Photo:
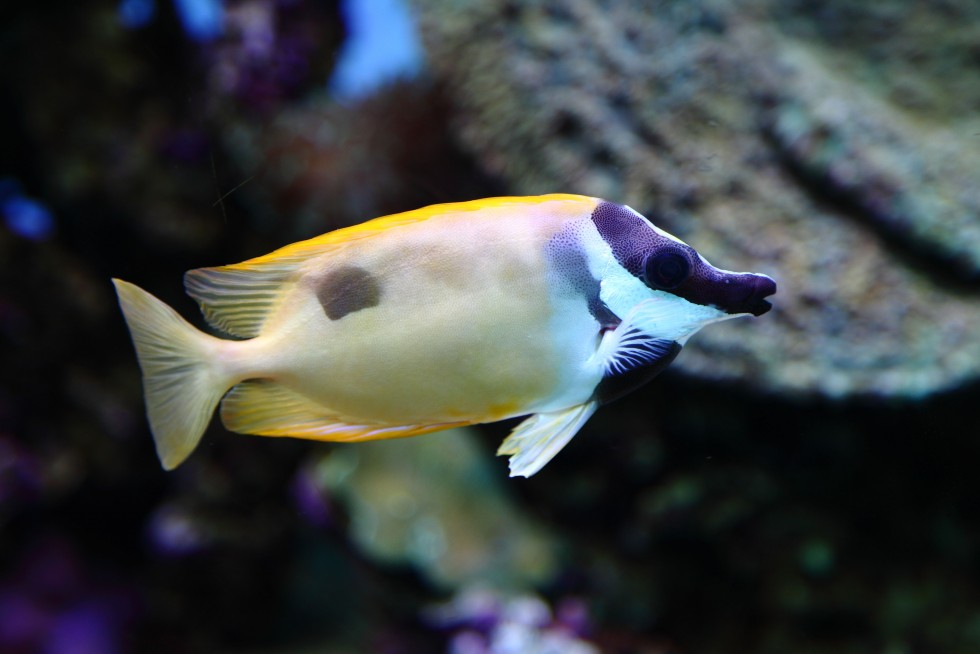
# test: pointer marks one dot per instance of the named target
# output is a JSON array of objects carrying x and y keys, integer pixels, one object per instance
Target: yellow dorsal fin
[
  {"x": 266, "y": 408},
  {"x": 305, "y": 249},
  {"x": 237, "y": 298}
]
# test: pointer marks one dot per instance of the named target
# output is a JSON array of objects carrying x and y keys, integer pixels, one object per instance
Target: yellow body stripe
[{"x": 384, "y": 223}]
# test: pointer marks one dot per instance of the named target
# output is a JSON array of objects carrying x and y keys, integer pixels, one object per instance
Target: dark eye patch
[
  {"x": 629, "y": 237},
  {"x": 656, "y": 260},
  {"x": 666, "y": 268},
  {"x": 347, "y": 290}
]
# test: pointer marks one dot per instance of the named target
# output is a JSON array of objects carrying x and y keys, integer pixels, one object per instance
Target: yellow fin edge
[
  {"x": 378, "y": 225},
  {"x": 344, "y": 433},
  {"x": 266, "y": 408}
]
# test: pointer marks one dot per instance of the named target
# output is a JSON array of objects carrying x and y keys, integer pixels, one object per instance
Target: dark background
[{"x": 695, "y": 515}]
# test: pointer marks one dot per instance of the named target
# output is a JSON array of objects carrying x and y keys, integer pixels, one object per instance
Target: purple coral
[
  {"x": 50, "y": 604},
  {"x": 483, "y": 621}
]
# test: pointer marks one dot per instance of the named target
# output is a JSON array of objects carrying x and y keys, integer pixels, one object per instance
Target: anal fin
[
  {"x": 267, "y": 408},
  {"x": 540, "y": 437}
]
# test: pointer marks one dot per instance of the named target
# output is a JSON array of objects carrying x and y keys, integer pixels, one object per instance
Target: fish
[{"x": 543, "y": 307}]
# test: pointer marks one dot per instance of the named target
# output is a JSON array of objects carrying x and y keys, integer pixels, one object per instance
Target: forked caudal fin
[{"x": 181, "y": 381}]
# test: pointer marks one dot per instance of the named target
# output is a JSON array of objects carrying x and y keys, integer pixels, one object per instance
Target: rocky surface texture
[{"x": 835, "y": 148}]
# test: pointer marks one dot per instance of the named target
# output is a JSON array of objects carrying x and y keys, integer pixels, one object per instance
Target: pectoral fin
[
  {"x": 630, "y": 357},
  {"x": 539, "y": 438}
]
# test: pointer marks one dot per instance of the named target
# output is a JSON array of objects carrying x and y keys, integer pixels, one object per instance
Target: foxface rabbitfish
[{"x": 449, "y": 315}]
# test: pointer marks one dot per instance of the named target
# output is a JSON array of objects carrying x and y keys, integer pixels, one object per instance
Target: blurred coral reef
[
  {"x": 830, "y": 145},
  {"x": 799, "y": 483}
]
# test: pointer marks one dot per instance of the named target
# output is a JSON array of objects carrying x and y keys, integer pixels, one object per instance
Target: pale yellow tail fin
[{"x": 181, "y": 383}]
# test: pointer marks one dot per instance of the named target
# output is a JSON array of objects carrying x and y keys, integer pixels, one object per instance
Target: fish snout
[
  {"x": 739, "y": 293},
  {"x": 757, "y": 288}
]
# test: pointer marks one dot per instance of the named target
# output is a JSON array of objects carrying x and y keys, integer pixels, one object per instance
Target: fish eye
[{"x": 666, "y": 269}]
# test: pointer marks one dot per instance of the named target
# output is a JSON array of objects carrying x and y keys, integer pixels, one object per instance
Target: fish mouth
[
  {"x": 755, "y": 302},
  {"x": 762, "y": 307}
]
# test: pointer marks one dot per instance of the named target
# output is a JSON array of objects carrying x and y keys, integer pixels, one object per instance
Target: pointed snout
[
  {"x": 736, "y": 293},
  {"x": 758, "y": 288}
]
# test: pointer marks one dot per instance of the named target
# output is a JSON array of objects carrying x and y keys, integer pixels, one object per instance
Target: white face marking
[
  {"x": 664, "y": 314},
  {"x": 671, "y": 317}
]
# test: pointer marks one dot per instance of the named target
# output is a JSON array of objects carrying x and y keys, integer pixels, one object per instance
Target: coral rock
[{"x": 833, "y": 154}]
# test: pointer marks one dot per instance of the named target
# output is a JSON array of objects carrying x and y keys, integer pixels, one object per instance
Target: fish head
[
  {"x": 676, "y": 268},
  {"x": 679, "y": 289}
]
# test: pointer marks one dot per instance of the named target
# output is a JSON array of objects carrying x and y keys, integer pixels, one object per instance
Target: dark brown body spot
[{"x": 347, "y": 290}]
